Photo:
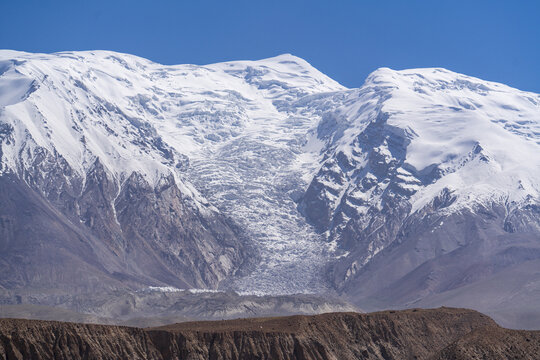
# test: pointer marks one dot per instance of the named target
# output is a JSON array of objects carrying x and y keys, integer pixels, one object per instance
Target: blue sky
[{"x": 494, "y": 40}]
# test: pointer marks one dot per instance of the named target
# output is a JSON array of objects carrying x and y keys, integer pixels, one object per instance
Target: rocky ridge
[{"x": 422, "y": 334}]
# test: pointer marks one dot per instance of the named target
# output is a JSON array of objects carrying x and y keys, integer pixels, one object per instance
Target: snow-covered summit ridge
[
  {"x": 443, "y": 120},
  {"x": 144, "y": 102}
]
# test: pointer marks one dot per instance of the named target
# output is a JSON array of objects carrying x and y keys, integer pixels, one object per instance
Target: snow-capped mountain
[
  {"x": 429, "y": 184},
  {"x": 146, "y": 127},
  {"x": 265, "y": 177},
  {"x": 410, "y": 140}
]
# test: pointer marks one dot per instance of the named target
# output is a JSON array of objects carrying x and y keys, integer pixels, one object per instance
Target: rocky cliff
[{"x": 419, "y": 334}]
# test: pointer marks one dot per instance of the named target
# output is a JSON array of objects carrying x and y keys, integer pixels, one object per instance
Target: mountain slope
[
  {"x": 105, "y": 174},
  {"x": 429, "y": 182}
]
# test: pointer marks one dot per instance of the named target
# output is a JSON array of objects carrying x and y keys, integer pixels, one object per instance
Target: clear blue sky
[{"x": 494, "y": 40}]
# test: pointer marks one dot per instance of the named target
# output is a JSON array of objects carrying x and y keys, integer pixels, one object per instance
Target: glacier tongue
[
  {"x": 256, "y": 173},
  {"x": 253, "y": 178}
]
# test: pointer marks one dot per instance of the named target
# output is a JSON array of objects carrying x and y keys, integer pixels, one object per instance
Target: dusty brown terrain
[
  {"x": 494, "y": 342},
  {"x": 36, "y": 339},
  {"x": 442, "y": 333}
]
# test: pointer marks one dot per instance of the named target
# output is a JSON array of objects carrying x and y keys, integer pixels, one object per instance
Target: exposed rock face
[
  {"x": 60, "y": 232},
  {"x": 387, "y": 335},
  {"x": 361, "y": 199},
  {"x": 42, "y": 248},
  {"x": 420, "y": 334},
  {"x": 198, "y": 249},
  {"x": 26, "y": 339}
]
